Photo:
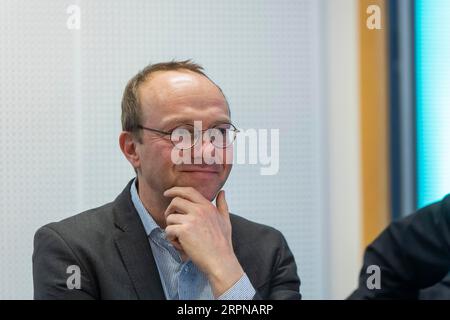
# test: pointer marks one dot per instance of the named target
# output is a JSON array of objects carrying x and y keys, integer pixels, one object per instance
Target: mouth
[{"x": 200, "y": 168}]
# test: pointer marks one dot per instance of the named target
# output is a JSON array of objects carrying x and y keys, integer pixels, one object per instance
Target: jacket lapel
[{"x": 134, "y": 247}]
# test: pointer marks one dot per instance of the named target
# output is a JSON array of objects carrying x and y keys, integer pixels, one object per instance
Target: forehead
[{"x": 171, "y": 95}]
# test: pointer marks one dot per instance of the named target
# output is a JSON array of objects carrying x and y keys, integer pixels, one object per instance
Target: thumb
[{"x": 221, "y": 203}]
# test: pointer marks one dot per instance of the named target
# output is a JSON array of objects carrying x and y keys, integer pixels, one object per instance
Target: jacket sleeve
[
  {"x": 284, "y": 282},
  {"x": 57, "y": 272},
  {"x": 412, "y": 253}
]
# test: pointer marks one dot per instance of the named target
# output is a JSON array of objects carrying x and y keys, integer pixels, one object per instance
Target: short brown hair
[{"x": 131, "y": 110}]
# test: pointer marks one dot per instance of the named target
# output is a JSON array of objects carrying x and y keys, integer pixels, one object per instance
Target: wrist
[{"x": 225, "y": 275}]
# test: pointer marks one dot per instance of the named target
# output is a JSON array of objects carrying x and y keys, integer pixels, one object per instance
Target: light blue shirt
[{"x": 182, "y": 280}]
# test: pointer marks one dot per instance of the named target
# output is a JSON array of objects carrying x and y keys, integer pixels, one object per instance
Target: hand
[{"x": 203, "y": 232}]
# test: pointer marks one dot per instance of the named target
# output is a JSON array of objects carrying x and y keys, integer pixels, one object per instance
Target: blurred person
[{"x": 413, "y": 257}]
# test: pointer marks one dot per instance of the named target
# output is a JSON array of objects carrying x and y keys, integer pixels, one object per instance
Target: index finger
[{"x": 187, "y": 193}]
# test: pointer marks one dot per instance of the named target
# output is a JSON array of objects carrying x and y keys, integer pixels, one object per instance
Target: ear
[{"x": 128, "y": 146}]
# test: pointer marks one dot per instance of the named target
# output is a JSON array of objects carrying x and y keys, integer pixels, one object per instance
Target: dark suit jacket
[
  {"x": 413, "y": 253},
  {"x": 111, "y": 248}
]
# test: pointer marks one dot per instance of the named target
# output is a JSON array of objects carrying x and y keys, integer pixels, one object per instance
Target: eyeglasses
[{"x": 186, "y": 136}]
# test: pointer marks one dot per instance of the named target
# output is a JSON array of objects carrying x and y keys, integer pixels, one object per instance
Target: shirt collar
[{"x": 146, "y": 218}]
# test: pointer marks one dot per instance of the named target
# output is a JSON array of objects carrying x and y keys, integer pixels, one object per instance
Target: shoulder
[
  {"x": 434, "y": 215},
  {"x": 90, "y": 226},
  {"x": 248, "y": 231}
]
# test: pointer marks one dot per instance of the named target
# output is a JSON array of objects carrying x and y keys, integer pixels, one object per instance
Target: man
[
  {"x": 162, "y": 237},
  {"x": 412, "y": 254}
]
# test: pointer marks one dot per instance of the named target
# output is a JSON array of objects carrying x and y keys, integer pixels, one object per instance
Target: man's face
[{"x": 170, "y": 99}]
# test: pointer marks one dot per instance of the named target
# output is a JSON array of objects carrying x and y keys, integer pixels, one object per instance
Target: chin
[
  {"x": 208, "y": 191},
  {"x": 210, "y": 195}
]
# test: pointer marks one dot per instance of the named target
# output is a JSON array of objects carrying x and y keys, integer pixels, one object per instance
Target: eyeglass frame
[{"x": 169, "y": 133}]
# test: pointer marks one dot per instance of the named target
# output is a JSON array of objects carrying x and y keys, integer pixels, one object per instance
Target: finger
[
  {"x": 187, "y": 193},
  {"x": 221, "y": 204},
  {"x": 172, "y": 235},
  {"x": 179, "y": 205},
  {"x": 173, "y": 232},
  {"x": 177, "y": 245},
  {"x": 174, "y": 241},
  {"x": 176, "y": 218}
]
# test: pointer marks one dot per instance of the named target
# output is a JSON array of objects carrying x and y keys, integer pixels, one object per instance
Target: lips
[{"x": 200, "y": 168}]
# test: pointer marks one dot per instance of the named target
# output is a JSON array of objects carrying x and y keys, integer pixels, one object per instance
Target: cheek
[
  {"x": 227, "y": 155},
  {"x": 164, "y": 157},
  {"x": 157, "y": 159}
]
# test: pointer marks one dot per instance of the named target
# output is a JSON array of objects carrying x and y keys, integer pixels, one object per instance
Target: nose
[{"x": 204, "y": 151}]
